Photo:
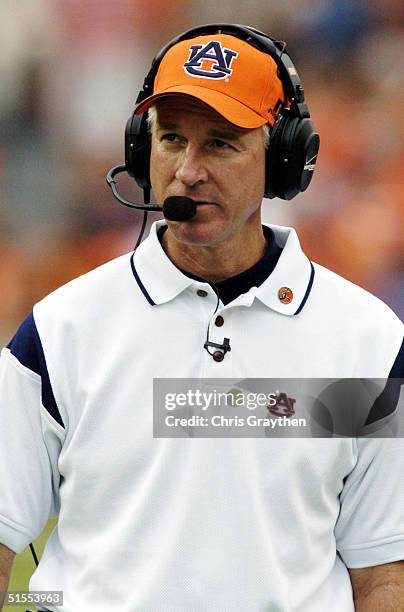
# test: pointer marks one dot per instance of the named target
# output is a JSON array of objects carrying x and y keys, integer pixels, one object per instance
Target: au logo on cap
[{"x": 220, "y": 60}]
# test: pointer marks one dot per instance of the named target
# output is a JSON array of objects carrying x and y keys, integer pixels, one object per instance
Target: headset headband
[{"x": 276, "y": 49}]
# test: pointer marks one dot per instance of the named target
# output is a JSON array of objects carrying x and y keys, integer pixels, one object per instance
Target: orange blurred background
[{"x": 70, "y": 72}]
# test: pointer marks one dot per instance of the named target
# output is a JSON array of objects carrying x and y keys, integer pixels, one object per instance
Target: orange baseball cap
[{"x": 237, "y": 80}]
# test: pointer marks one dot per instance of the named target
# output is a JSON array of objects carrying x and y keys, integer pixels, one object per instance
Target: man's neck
[{"x": 215, "y": 263}]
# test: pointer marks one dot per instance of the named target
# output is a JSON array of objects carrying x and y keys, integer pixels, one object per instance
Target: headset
[{"x": 292, "y": 153}]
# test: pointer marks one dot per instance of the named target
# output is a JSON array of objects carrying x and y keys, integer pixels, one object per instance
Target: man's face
[{"x": 198, "y": 154}]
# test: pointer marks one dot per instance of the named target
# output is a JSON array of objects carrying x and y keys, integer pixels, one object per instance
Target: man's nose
[{"x": 191, "y": 168}]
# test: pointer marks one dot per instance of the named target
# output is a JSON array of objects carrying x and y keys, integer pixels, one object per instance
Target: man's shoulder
[
  {"x": 98, "y": 284},
  {"x": 368, "y": 329},
  {"x": 347, "y": 296},
  {"x": 357, "y": 317},
  {"x": 330, "y": 294}
]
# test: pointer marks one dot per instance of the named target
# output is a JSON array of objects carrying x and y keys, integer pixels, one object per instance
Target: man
[{"x": 149, "y": 523}]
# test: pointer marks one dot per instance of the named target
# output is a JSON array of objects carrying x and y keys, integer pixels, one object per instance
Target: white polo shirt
[{"x": 174, "y": 524}]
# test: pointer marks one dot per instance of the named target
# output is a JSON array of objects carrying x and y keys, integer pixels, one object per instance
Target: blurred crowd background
[{"x": 70, "y": 71}]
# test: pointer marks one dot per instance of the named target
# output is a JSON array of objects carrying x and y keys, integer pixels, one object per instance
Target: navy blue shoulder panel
[
  {"x": 388, "y": 400},
  {"x": 26, "y": 346},
  {"x": 397, "y": 371}
]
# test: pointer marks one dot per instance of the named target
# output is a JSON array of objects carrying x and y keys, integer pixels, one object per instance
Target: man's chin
[{"x": 196, "y": 233}]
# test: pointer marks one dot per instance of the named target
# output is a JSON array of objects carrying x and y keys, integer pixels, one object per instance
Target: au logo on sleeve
[{"x": 210, "y": 61}]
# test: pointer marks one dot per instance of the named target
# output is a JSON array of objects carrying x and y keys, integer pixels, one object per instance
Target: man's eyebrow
[
  {"x": 232, "y": 135},
  {"x": 167, "y": 125},
  {"x": 226, "y": 134}
]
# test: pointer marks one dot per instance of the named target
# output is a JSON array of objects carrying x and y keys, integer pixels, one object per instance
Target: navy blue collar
[{"x": 230, "y": 288}]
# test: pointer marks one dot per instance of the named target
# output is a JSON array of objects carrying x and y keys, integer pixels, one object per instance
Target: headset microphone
[
  {"x": 175, "y": 208},
  {"x": 179, "y": 208},
  {"x": 110, "y": 178}
]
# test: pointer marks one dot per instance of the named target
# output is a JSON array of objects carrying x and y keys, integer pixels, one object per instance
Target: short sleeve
[
  {"x": 370, "y": 527},
  {"x": 31, "y": 437}
]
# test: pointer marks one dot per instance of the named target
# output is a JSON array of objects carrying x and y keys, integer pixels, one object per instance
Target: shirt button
[
  {"x": 202, "y": 293},
  {"x": 219, "y": 321},
  {"x": 218, "y": 356}
]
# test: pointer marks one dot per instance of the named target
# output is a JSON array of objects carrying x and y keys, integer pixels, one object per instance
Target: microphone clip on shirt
[{"x": 224, "y": 347}]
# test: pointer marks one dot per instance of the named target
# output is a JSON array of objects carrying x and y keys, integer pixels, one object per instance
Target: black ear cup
[
  {"x": 137, "y": 150},
  {"x": 291, "y": 157}
]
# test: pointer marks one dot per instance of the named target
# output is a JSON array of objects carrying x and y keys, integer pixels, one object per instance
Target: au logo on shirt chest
[
  {"x": 284, "y": 406},
  {"x": 210, "y": 61}
]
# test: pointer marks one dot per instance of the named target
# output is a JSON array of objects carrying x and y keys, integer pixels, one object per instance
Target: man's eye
[
  {"x": 169, "y": 137},
  {"x": 220, "y": 144}
]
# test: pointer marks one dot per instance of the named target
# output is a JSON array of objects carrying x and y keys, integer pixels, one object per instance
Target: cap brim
[{"x": 228, "y": 107}]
